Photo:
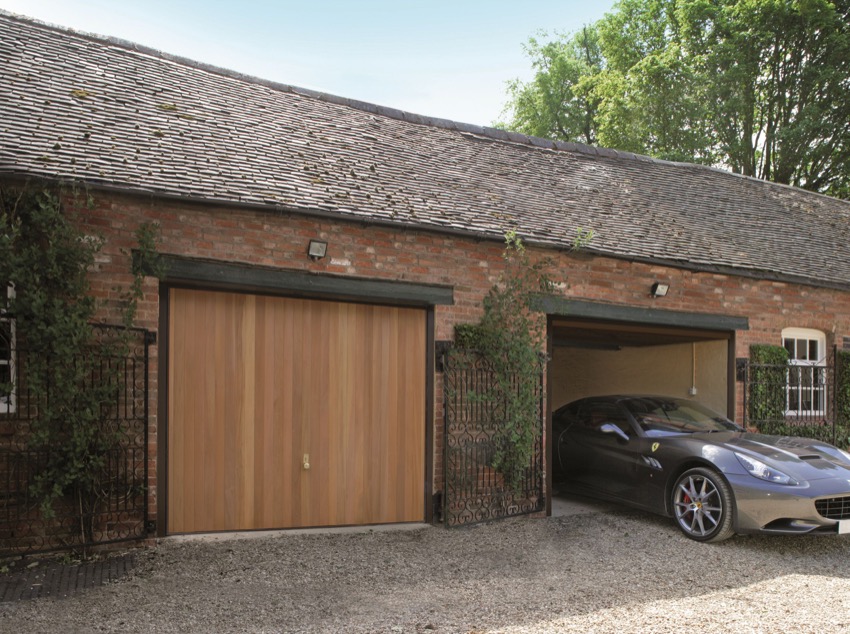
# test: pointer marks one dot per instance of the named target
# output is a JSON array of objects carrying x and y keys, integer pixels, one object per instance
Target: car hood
[{"x": 800, "y": 458}]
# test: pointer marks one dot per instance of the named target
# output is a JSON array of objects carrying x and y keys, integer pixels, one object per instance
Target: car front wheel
[{"x": 702, "y": 505}]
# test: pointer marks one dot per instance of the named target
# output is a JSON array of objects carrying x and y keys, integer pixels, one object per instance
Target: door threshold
[{"x": 324, "y": 530}]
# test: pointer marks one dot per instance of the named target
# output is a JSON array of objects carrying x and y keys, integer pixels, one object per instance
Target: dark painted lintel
[
  {"x": 562, "y": 306},
  {"x": 249, "y": 278}
]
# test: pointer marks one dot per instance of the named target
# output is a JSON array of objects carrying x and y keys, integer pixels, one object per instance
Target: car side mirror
[{"x": 610, "y": 428}]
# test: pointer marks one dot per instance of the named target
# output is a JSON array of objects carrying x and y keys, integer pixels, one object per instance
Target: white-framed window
[
  {"x": 806, "y": 386},
  {"x": 8, "y": 373}
]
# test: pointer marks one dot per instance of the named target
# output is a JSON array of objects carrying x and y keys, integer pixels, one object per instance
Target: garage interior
[{"x": 592, "y": 357}]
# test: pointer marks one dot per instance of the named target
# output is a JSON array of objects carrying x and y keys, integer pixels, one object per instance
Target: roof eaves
[
  {"x": 698, "y": 267},
  {"x": 488, "y": 236}
]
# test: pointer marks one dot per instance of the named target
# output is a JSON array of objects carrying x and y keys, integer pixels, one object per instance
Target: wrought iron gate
[
  {"x": 797, "y": 400},
  {"x": 118, "y": 509},
  {"x": 474, "y": 490}
]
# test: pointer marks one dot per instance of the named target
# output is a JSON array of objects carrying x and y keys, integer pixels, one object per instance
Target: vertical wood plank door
[{"x": 286, "y": 413}]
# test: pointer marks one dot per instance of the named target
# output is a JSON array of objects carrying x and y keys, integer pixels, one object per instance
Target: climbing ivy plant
[
  {"x": 511, "y": 339},
  {"x": 46, "y": 258}
]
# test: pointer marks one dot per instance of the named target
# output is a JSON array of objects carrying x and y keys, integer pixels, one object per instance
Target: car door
[{"x": 604, "y": 461}]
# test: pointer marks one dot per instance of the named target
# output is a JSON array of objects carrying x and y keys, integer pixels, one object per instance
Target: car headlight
[{"x": 760, "y": 470}]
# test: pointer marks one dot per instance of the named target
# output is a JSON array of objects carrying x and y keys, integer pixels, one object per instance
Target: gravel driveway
[{"x": 603, "y": 571}]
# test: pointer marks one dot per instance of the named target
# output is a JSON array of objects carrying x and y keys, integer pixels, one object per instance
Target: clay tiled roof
[{"x": 75, "y": 106}]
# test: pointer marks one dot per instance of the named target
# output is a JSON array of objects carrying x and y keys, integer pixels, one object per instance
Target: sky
[{"x": 431, "y": 57}]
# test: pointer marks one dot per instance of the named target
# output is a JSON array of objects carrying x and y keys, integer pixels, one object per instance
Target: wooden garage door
[{"x": 291, "y": 413}]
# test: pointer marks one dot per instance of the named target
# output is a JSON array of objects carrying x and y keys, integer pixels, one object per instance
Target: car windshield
[{"x": 656, "y": 415}]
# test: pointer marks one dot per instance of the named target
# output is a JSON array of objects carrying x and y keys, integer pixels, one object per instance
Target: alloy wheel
[{"x": 702, "y": 505}]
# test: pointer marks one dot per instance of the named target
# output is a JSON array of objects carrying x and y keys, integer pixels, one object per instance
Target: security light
[
  {"x": 659, "y": 289},
  {"x": 317, "y": 249}
]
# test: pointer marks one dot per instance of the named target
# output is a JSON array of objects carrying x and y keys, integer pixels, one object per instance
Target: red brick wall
[{"x": 471, "y": 266}]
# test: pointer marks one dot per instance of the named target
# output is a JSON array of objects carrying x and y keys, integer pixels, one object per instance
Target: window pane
[
  {"x": 819, "y": 400},
  {"x": 813, "y": 350},
  {"x": 6, "y": 387},
  {"x": 789, "y": 346},
  {"x": 794, "y": 376},
  {"x": 802, "y": 349},
  {"x": 793, "y": 400},
  {"x": 5, "y": 340}
]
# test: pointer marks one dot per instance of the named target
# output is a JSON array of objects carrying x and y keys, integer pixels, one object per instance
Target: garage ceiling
[{"x": 614, "y": 336}]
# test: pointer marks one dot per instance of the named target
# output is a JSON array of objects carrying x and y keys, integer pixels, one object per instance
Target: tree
[
  {"x": 778, "y": 97},
  {"x": 648, "y": 90},
  {"x": 555, "y": 103},
  {"x": 755, "y": 86}
]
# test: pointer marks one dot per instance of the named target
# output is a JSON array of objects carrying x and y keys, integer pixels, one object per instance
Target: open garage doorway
[{"x": 600, "y": 350}]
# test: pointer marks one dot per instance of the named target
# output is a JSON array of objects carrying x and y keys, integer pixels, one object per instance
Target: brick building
[{"x": 288, "y": 389}]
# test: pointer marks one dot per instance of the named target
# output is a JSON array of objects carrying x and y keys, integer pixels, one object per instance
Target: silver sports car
[{"x": 677, "y": 458}]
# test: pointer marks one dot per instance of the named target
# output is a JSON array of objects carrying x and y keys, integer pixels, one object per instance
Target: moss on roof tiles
[{"x": 246, "y": 140}]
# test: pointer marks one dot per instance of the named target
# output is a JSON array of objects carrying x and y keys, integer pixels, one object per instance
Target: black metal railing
[
  {"x": 796, "y": 399},
  {"x": 115, "y": 507},
  {"x": 475, "y": 424}
]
